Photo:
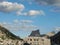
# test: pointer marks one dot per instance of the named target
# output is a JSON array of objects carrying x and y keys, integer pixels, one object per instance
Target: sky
[{"x": 21, "y": 17}]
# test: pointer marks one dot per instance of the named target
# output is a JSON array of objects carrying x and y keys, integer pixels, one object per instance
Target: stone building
[
  {"x": 8, "y": 38},
  {"x": 55, "y": 40},
  {"x": 35, "y": 38}
]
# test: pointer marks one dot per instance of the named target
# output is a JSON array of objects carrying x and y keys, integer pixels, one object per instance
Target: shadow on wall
[
  {"x": 26, "y": 44},
  {"x": 55, "y": 40}
]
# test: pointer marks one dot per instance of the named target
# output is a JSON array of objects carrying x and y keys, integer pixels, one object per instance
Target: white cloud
[
  {"x": 22, "y": 21},
  {"x": 55, "y": 9},
  {"x": 26, "y": 25},
  {"x": 2, "y": 0},
  {"x": 32, "y": 13},
  {"x": 26, "y": 21},
  {"x": 57, "y": 28},
  {"x": 48, "y": 2},
  {"x": 36, "y": 12},
  {"x": 16, "y": 21},
  {"x": 18, "y": 8},
  {"x": 10, "y": 7}
]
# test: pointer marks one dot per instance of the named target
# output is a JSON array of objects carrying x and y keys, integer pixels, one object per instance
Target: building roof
[
  {"x": 9, "y": 34},
  {"x": 35, "y": 33}
]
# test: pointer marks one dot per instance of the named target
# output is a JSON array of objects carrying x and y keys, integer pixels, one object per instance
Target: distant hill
[{"x": 7, "y": 34}]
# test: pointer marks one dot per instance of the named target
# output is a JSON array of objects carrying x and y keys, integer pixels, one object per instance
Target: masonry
[
  {"x": 35, "y": 38},
  {"x": 8, "y": 38}
]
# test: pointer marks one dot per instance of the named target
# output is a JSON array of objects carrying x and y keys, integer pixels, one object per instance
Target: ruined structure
[
  {"x": 8, "y": 38},
  {"x": 55, "y": 40},
  {"x": 35, "y": 34},
  {"x": 35, "y": 38}
]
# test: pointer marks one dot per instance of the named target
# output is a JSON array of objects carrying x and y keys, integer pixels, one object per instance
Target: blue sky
[{"x": 23, "y": 16}]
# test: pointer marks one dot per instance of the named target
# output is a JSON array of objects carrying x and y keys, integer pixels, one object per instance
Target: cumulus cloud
[
  {"x": 2, "y": 0},
  {"x": 16, "y": 21},
  {"x": 36, "y": 12},
  {"x": 32, "y": 13},
  {"x": 26, "y": 21},
  {"x": 48, "y": 2},
  {"x": 22, "y": 21},
  {"x": 28, "y": 1},
  {"x": 56, "y": 9},
  {"x": 10, "y": 7},
  {"x": 6, "y": 7},
  {"x": 57, "y": 28},
  {"x": 54, "y": 3},
  {"x": 19, "y": 25}
]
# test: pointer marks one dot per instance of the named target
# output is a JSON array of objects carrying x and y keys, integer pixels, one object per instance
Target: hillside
[{"x": 9, "y": 34}]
